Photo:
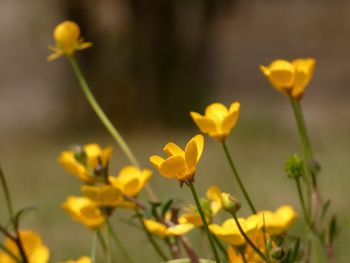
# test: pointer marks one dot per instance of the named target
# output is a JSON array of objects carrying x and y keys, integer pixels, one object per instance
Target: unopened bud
[
  {"x": 315, "y": 167},
  {"x": 294, "y": 166},
  {"x": 277, "y": 253},
  {"x": 79, "y": 154},
  {"x": 229, "y": 203}
]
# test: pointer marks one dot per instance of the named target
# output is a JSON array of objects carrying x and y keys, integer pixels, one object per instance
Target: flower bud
[
  {"x": 315, "y": 167},
  {"x": 277, "y": 253},
  {"x": 66, "y": 36},
  {"x": 229, "y": 203},
  {"x": 294, "y": 166},
  {"x": 79, "y": 154}
]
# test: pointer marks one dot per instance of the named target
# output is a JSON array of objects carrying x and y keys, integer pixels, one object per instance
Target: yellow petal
[
  {"x": 172, "y": 149},
  {"x": 304, "y": 69},
  {"x": 179, "y": 230},
  {"x": 173, "y": 167},
  {"x": 104, "y": 195},
  {"x": 93, "y": 152},
  {"x": 191, "y": 154},
  {"x": 216, "y": 112},
  {"x": 156, "y": 161},
  {"x": 234, "y": 256},
  {"x": 214, "y": 195},
  {"x": 199, "y": 139},
  {"x": 71, "y": 165},
  {"x": 231, "y": 119},
  {"x": 280, "y": 73},
  {"x": 205, "y": 124},
  {"x": 155, "y": 227}
]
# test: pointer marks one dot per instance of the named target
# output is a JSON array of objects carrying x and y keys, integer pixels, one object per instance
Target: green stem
[
  {"x": 302, "y": 201},
  {"x": 235, "y": 173},
  {"x": 119, "y": 243},
  {"x": 151, "y": 239},
  {"x": 108, "y": 245},
  {"x": 204, "y": 220},
  {"x": 102, "y": 241},
  {"x": 7, "y": 193},
  {"x": 106, "y": 122},
  {"x": 93, "y": 248},
  {"x": 256, "y": 249},
  {"x": 100, "y": 113}
]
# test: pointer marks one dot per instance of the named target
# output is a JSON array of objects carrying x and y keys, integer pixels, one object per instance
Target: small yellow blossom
[
  {"x": 181, "y": 164},
  {"x": 230, "y": 233},
  {"x": 34, "y": 248},
  {"x": 211, "y": 206},
  {"x": 278, "y": 222},
  {"x": 68, "y": 40},
  {"x": 291, "y": 78},
  {"x": 80, "y": 260},
  {"x": 161, "y": 230},
  {"x": 131, "y": 180},
  {"x": 82, "y": 163},
  {"x": 103, "y": 195},
  {"x": 218, "y": 121},
  {"x": 85, "y": 211}
]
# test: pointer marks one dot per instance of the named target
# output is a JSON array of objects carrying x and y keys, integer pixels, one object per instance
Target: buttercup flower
[
  {"x": 103, "y": 195},
  {"x": 85, "y": 211},
  {"x": 68, "y": 40},
  {"x": 85, "y": 162},
  {"x": 80, "y": 260},
  {"x": 180, "y": 165},
  {"x": 162, "y": 230},
  {"x": 211, "y": 206},
  {"x": 217, "y": 121},
  {"x": 230, "y": 233},
  {"x": 278, "y": 222},
  {"x": 131, "y": 180},
  {"x": 34, "y": 248},
  {"x": 291, "y": 78}
]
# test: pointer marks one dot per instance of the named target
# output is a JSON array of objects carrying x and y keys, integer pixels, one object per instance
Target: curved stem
[
  {"x": 119, "y": 243},
  {"x": 7, "y": 193},
  {"x": 106, "y": 122},
  {"x": 235, "y": 173},
  {"x": 205, "y": 224},
  {"x": 256, "y": 249},
  {"x": 93, "y": 247}
]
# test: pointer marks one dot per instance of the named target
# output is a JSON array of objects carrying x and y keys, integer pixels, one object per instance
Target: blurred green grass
[{"x": 258, "y": 144}]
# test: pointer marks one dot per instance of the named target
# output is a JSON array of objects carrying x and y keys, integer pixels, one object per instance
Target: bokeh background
[{"x": 152, "y": 62}]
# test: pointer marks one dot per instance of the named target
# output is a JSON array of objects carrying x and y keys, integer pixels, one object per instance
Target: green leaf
[{"x": 166, "y": 207}]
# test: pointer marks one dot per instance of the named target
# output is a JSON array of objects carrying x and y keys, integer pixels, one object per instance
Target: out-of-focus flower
[
  {"x": 86, "y": 161},
  {"x": 161, "y": 230},
  {"x": 80, "y": 260},
  {"x": 34, "y": 248},
  {"x": 230, "y": 233},
  {"x": 131, "y": 180},
  {"x": 278, "y": 222},
  {"x": 68, "y": 40},
  {"x": 217, "y": 121},
  {"x": 103, "y": 195},
  {"x": 290, "y": 77},
  {"x": 211, "y": 206},
  {"x": 180, "y": 165},
  {"x": 85, "y": 211}
]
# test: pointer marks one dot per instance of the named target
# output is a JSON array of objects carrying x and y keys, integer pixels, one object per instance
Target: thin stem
[
  {"x": 151, "y": 239},
  {"x": 108, "y": 245},
  {"x": 19, "y": 244},
  {"x": 256, "y": 249},
  {"x": 7, "y": 193},
  {"x": 204, "y": 220},
  {"x": 220, "y": 245},
  {"x": 102, "y": 241},
  {"x": 302, "y": 201},
  {"x": 93, "y": 247},
  {"x": 189, "y": 250},
  {"x": 243, "y": 256},
  {"x": 106, "y": 122},
  {"x": 235, "y": 173},
  {"x": 7, "y": 251},
  {"x": 119, "y": 243}
]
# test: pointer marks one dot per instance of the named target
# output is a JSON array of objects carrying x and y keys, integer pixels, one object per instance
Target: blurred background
[{"x": 152, "y": 62}]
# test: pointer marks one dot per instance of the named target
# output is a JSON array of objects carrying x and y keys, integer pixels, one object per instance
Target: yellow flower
[
  {"x": 230, "y": 233},
  {"x": 131, "y": 180},
  {"x": 80, "y": 260},
  {"x": 290, "y": 77},
  {"x": 103, "y": 195},
  {"x": 278, "y": 222},
  {"x": 83, "y": 162},
  {"x": 180, "y": 165},
  {"x": 68, "y": 40},
  {"x": 34, "y": 248},
  {"x": 161, "y": 230},
  {"x": 218, "y": 120},
  {"x": 85, "y": 211},
  {"x": 210, "y": 206}
]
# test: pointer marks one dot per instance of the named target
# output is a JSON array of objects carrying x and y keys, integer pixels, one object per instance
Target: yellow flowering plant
[{"x": 262, "y": 235}]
